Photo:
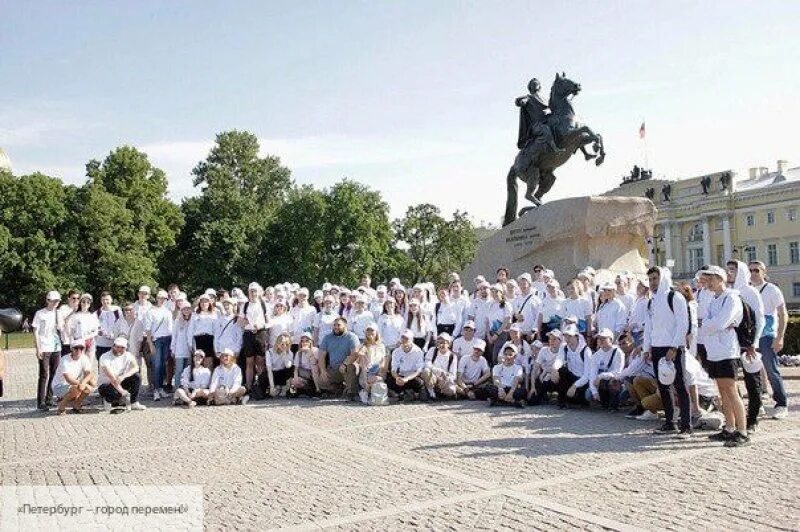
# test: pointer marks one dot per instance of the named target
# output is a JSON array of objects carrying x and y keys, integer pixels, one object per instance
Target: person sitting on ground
[
  {"x": 373, "y": 360},
  {"x": 306, "y": 370},
  {"x": 73, "y": 380},
  {"x": 606, "y": 368},
  {"x": 545, "y": 372},
  {"x": 408, "y": 361},
  {"x": 338, "y": 353},
  {"x": 639, "y": 378},
  {"x": 226, "y": 382},
  {"x": 573, "y": 376},
  {"x": 441, "y": 368},
  {"x": 195, "y": 380},
  {"x": 474, "y": 373},
  {"x": 507, "y": 380},
  {"x": 278, "y": 371},
  {"x": 463, "y": 345},
  {"x": 119, "y": 378}
]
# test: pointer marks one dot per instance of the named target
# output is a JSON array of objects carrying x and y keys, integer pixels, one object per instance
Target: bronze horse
[{"x": 569, "y": 135}]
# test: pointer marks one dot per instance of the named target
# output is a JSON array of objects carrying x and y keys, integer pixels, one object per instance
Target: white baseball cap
[
  {"x": 536, "y": 344},
  {"x": 556, "y": 333},
  {"x": 446, "y": 337},
  {"x": 144, "y": 289},
  {"x": 226, "y": 352},
  {"x": 666, "y": 372},
  {"x": 479, "y": 344},
  {"x": 253, "y": 286},
  {"x": 470, "y": 324},
  {"x": 121, "y": 342},
  {"x": 78, "y": 343},
  {"x": 714, "y": 270},
  {"x": 480, "y": 279},
  {"x": 525, "y": 276},
  {"x": 53, "y": 295},
  {"x": 606, "y": 333},
  {"x": 408, "y": 334},
  {"x": 608, "y": 286},
  {"x": 571, "y": 330},
  {"x": 162, "y": 294},
  {"x": 303, "y": 291},
  {"x": 515, "y": 327},
  {"x": 509, "y": 345},
  {"x": 752, "y": 366}
]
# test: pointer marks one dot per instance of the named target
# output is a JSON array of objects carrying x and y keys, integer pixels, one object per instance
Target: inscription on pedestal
[{"x": 522, "y": 236}]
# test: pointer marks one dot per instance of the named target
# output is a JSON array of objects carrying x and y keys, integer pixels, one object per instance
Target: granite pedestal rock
[{"x": 568, "y": 235}]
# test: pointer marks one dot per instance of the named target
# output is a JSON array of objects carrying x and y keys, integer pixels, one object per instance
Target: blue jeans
[
  {"x": 180, "y": 365},
  {"x": 770, "y": 361},
  {"x": 159, "y": 361}
]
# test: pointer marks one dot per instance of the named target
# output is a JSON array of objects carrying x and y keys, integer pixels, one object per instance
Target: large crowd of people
[{"x": 637, "y": 343}]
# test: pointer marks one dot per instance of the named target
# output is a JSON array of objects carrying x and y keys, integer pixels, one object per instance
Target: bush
[{"x": 791, "y": 340}]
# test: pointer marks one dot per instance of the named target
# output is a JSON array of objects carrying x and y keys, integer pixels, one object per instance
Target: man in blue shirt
[{"x": 338, "y": 352}]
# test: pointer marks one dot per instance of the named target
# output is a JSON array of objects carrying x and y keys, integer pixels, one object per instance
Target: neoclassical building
[{"x": 710, "y": 218}]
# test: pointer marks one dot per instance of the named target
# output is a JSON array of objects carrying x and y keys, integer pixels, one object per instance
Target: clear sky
[{"x": 413, "y": 98}]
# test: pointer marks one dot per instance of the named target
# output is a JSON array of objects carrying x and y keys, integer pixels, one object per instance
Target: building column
[
  {"x": 667, "y": 241},
  {"x": 727, "y": 243},
  {"x": 707, "y": 258}
]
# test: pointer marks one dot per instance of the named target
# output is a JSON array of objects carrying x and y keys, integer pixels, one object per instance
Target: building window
[
  {"x": 718, "y": 225},
  {"x": 696, "y": 259},
  {"x": 794, "y": 252},
  {"x": 796, "y": 289},
  {"x": 750, "y": 220},
  {"x": 696, "y": 234},
  {"x": 750, "y": 253},
  {"x": 770, "y": 217},
  {"x": 772, "y": 254},
  {"x": 791, "y": 214}
]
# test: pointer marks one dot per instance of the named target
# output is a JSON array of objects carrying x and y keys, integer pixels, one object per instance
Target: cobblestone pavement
[{"x": 331, "y": 464}]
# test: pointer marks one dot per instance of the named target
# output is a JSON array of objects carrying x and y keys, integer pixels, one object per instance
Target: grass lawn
[{"x": 16, "y": 340}]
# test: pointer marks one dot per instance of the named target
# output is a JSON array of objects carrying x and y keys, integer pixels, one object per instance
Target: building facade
[{"x": 712, "y": 218}]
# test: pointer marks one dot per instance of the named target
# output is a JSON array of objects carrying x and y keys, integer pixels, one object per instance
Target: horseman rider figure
[{"x": 533, "y": 126}]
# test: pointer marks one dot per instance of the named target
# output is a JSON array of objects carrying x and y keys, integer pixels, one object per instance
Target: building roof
[{"x": 768, "y": 179}]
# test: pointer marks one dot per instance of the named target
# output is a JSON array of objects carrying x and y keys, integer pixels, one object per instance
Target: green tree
[
  {"x": 142, "y": 188},
  {"x": 434, "y": 246}
]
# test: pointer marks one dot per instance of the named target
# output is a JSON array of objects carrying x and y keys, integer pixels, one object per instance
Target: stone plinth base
[{"x": 568, "y": 235}]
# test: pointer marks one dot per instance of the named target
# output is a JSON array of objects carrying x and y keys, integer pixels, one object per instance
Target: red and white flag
[{"x": 641, "y": 131}]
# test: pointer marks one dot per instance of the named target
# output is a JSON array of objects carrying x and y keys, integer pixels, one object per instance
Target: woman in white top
[
  {"x": 417, "y": 321},
  {"x": 499, "y": 317},
  {"x": 280, "y": 322},
  {"x": 373, "y": 360},
  {"x": 181, "y": 343},
  {"x": 400, "y": 303},
  {"x": 638, "y": 313},
  {"x": 84, "y": 325},
  {"x": 194, "y": 383},
  {"x": 201, "y": 328},
  {"x": 552, "y": 311},
  {"x": 323, "y": 325},
  {"x": 390, "y": 325},
  {"x": 278, "y": 371},
  {"x": 577, "y": 305},
  {"x": 306, "y": 371},
  {"x": 448, "y": 314}
]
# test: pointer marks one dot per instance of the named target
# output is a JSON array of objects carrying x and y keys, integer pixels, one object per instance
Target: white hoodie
[
  {"x": 580, "y": 367},
  {"x": 664, "y": 327},
  {"x": 723, "y": 313},
  {"x": 750, "y": 296}
]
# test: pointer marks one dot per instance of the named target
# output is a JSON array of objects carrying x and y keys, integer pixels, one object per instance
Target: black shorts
[
  {"x": 722, "y": 369},
  {"x": 254, "y": 344}
]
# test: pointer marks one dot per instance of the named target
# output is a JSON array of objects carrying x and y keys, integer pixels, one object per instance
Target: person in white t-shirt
[
  {"x": 226, "y": 382},
  {"x": 274, "y": 380},
  {"x": 441, "y": 367},
  {"x": 408, "y": 361},
  {"x": 46, "y": 335},
  {"x": 74, "y": 379},
  {"x": 473, "y": 373},
  {"x": 107, "y": 316},
  {"x": 462, "y": 346},
  {"x": 507, "y": 380},
  {"x": 84, "y": 325},
  {"x": 306, "y": 368},
  {"x": 195, "y": 380},
  {"x": 119, "y": 378},
  {"x": 607, "y": 363},
  {"x": 545, "y": 373}
]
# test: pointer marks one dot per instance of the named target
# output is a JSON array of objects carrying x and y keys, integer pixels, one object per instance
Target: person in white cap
[
  {"x": 524, "y": 350},
  {"x": 739, "y": 280},
  {"x": 638, "y": 314},
  {"x": 478, "y": 311},
  {"x": 119, "y": 379},
  {"x": 227, "y": 331},
  {"x": 723, "y": 314},
  {"x": 158, "y": 328},
  {"x": 462, "y": 346},
  {"x": 194, "y": 382},
  {"x": 253, "y": 318},
  {"x": 552, "y": 310},
  {"x": 74, "y": 379},
  {"x": 611, "y": 313},
  {"x": 448, "y": 314},
  {"x": 181, "y": 345},
  {"x": 303, "y": 316},
  {"x": 473, "y": 373},
  {"x": 280, "y": 321},
  {"x": 577, "y": 305},
  {"x": 526, "y": 306},
  {"x": 226, "y": 382},
  {"x": 274, "y": 381},
  {"x": 360, "y": 317},
  {"x": 373, "y": 360},
  {"x": 545, "y": 373},
  {"x": 65, "y": 311},
  {"x": 586, "y": 279},
  {"x": 46, "y": 326},
  {"x": 323, "y": 323},
  {"x": 573, "y": 376},
  {"x": 441, "y": 368},
  {"x": 772, "y": 337},
  {"x": 202, "y": 326},
  {"x": 408, "y": 361},
  {"x": 376, "y": 305},
  {"x": 390, "y": 325},
  {"x": 306, "y": 369},
  {"x": 507, "y": 380},
  {"x": 84, "y": 326},
  {"x": 665, "y": 337},
  {"x": 607, "y": 362},
  {"x": 622, "y": 287},
  {"x": 107, "y": 315},
  {"x": 400, "y": 302}
]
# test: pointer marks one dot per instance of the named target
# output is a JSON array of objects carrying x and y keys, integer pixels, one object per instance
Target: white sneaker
[
  {"x": 762, "y": 412},
  {"x": 156, "y": 395},
  {"x": 245, "y": 399},
  {"x": 106, "y": 406},
  {"x": 647, "y": 416},
  {"x": 127, "y": 398},
  {"x": 781, "y": 412},
  {"x": 137, "y": 406},
  {"x": 364, "y": 396},
  {"x": 431, "y": 393}
]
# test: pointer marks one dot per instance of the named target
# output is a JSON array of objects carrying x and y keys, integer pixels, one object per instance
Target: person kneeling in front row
[
  {"x": 474, "y": 374},
  {"x": 408, "y": 360},
  {"x": 119, "y": 378},
  {"x": 73, "y": 380},
  {"x": 508, "y": 380},
  {"x": 226, "y": 382},
  {"x": 544, "y": 374},
  {"x": 441, "y": 366},
  {"x": 195, "y": 381}
]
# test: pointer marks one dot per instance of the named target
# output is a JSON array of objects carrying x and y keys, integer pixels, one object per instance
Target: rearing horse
[{"x": 569, "y": 135}]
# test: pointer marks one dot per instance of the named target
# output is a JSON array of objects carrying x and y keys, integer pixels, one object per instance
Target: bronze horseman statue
[{"x": 546, "y": 141}]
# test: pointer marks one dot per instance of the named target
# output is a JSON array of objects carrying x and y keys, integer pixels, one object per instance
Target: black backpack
[{"x": 746, "y": 329}]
